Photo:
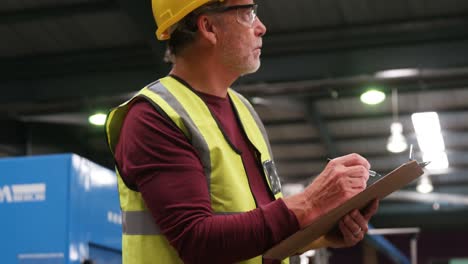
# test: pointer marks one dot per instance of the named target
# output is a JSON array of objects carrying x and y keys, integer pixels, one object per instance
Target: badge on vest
[{"x": 270, "y": 171}]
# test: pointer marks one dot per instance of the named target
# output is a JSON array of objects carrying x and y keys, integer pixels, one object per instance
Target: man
[{"x": 197, "y": 182}]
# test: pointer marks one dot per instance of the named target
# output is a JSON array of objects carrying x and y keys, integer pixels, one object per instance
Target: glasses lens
[{"x": 247, "y": 16}]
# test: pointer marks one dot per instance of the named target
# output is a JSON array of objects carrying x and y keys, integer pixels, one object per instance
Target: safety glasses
[{"x": 246, "y": 14}]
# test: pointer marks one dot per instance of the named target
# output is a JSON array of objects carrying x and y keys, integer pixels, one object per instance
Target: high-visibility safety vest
[{"x": 225, "y": 174}]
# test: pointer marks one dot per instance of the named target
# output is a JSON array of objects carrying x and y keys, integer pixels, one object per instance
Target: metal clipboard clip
[{"x": 421, "y": 164}]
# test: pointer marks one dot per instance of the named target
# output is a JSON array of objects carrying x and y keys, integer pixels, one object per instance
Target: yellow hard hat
[{"x": 169, "y": 12}]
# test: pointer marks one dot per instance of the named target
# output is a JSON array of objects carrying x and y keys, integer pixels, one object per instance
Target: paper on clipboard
[{"x": 389, "y": 183}]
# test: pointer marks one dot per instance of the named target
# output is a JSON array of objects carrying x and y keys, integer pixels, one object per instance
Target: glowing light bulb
[
  {"x": 98, "y": 119},
  {"x": 397, "y": 141},
  {"x": 425, "y": 185},
  {"x": 373, "y": 97}
]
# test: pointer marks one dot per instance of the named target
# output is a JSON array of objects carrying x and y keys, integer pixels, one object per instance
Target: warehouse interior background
[{"x": 62, "y": 61}]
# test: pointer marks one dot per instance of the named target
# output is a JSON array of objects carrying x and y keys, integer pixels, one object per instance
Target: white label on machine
[
  {"x": 41, "y": 256},
  {"x": 21, "y": 193},
  {"x": 114, "y": 218}
]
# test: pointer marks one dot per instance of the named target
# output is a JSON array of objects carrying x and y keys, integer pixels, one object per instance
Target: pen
[
  {"x": 374, "y": 174},
  {"x": 371, "y": 172}
]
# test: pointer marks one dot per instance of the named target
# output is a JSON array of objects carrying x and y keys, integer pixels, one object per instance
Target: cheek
[
  {"x": 234, "y": 44},
  {"x": 241, "y": 40}
]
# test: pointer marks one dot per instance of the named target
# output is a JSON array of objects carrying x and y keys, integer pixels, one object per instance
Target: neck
[{"x": 204, "y": 73}]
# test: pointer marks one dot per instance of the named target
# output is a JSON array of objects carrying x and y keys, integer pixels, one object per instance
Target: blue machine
[{"x": 58, "y": 209}]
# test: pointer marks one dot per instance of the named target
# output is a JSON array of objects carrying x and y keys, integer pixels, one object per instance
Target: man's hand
[
  {"x": 342, "y": 178},
  {"x": 353, "y": 227}
]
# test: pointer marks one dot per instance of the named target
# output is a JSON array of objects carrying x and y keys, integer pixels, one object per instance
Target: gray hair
[{"x": 184, "y": 32}]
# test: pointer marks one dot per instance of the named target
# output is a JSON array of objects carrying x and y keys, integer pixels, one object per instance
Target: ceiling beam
[
  {"x": 372, "y": 136},
  {"x": 369, "y": 115},
  {"x": 66, "y": 64},
  {"x": 307, "y": 83},
  {"x": 89, "y": 87},
  {"x": 56, "y": 11},
  {"x": 314, "y": 117},
  {"x": 365, "y": 35},
  {"x": 113, "y": 78},
  {"x": 363, "y": 116}
]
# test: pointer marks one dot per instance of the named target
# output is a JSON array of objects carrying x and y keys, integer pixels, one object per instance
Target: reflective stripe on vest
[
  {"x": 142, "y": 223},
  {"x": 226, "y": 177}
]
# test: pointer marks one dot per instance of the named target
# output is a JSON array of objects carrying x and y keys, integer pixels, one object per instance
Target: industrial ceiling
[{"x": 63, "y": 60}]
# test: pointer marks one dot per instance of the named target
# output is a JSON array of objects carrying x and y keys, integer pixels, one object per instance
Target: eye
[{"x": 246, "y": 14}]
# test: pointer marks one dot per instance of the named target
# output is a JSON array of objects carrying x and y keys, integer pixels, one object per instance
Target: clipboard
[{"x": 387, "y": 184}]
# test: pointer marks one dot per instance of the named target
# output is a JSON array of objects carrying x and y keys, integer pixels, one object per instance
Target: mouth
[
  {"x": 259, "y": 46},
  {"x": 258, "y": 51}
]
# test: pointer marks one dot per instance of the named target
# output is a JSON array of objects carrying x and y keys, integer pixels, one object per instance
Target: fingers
[
  {"x": 354, "y": 167},
  {"x": 352, "y": 160},
  {"x": 355, "y": 221},
  {"x": 358, "y": 171},
  {"x": 350, "y": 236},
  {"x": 356, "y": 183},
  {"x": 354, "y": 177},
  {"x": 353, "y": 227},
  {"x": 342, "y": 179},
  {"x": 371, "y": 209}
]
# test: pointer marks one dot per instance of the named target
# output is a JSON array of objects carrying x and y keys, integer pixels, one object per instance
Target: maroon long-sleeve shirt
[{"x": 155, "y": 158}]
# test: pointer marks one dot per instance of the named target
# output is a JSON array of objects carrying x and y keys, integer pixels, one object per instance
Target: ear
[{"x": 207, "y": 28}]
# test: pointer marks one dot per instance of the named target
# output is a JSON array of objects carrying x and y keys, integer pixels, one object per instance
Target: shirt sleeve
[{"x": 155, "y": 157}]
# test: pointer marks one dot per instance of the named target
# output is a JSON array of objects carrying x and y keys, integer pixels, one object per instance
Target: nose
[{"x": 260, "y": 28}]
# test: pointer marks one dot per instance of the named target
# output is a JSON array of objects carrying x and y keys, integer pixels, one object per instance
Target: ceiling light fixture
[
  {"x": 397, "y": 73},
  {"x": 430, "y": 140},
  {"x": 259, "y": 101},
  {"x": 396, "y": 142},
  {"x": 373, "y": 97},
  {"x": 439, "y": 160},
  {"x": 98, "y": 119},
  {"x": 425, "y": 184}
]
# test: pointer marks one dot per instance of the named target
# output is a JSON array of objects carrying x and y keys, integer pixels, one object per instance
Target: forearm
[
  {"x": 230, "y": 238},
  {"x": 180, "y": 204},
  {"x": 303, "y": 208}
]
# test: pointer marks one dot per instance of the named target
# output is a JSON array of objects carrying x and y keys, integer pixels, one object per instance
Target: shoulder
[{"x": 144, "y": 117}]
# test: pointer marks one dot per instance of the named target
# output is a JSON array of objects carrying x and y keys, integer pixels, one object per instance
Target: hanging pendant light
[
  {"x": 425, "y": 184},
  {"x": 396, "y": 142}
]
